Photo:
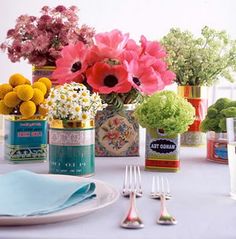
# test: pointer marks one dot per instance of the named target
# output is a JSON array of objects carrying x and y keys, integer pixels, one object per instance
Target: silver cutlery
[
  {"x": 132, "y": 188},
  {"x": 161, "y": 190}
]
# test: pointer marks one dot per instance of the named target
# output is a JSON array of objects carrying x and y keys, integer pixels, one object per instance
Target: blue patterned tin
[
  {"x": 71, "y": 148},
  {"x": 25, "y": 140}
]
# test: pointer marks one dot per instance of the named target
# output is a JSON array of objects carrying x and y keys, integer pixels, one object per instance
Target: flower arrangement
[
  {"x": 40, "y": 39},
  {"x": 200, "y": 61},
  {"x": 19, "y": 97},
  {"x": 217, "y": 113},
  {"x": 73, "y": 102},
  {"x": 167, "y": 111},
  {"x": 116, "y": 67}
]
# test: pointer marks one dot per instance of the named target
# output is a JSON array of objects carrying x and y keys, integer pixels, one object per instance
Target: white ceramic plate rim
[{"x": 106, "y": 195}]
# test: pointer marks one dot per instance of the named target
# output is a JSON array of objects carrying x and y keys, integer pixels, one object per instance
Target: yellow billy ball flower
[
  {"x": 28, "y": 109},
  {"x": 46, "y": 81},
  {"x": 11, "y": 99},
  {"x": 4, "y": 89},
  {"x": 17, "y": 79},
  {"x": 25, "y": 92},
  {"x": 38, "y": 96},
  {"x": 4, "y": 109},
  {"x": 28, "y": 82},
  {"x": 41, "y": 86}
]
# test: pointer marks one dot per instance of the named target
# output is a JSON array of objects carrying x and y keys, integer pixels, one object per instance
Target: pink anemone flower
[
  {"x": 144, "y": 78},
  {"x": 105, "y": 79},
  {"x": 72, "y": 64},
  {"x": 109, "y": 44},
  {"x": 152, "y": 48}
]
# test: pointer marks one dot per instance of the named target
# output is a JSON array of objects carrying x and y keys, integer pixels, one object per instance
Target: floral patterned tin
[{"x": 117, "y": 133}]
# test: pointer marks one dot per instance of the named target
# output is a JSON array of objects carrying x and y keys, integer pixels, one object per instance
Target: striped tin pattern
[
  {"x": 162, "y": 152},
  {"x": 71, "y": 151}
]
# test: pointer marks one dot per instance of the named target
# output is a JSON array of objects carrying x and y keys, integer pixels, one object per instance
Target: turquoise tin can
[
  {"x": 25, "y": 140},
  {"x": 72, "y": 148}
]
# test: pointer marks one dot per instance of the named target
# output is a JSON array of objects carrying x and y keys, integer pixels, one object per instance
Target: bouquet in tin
[
  {"x": 19, "y": 98},
  {"x": 40, "y": 39},
  {"x": 73, "y": 101},
  {"x": 116, "y": 67}
]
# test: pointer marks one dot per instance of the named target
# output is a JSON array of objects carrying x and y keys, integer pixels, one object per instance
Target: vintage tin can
[
  {"x": 162, "y": 151},
  {"x": 197, "y": 96},
  {"x": 25, "y": 140},
  {"x": 43, "y": 71},
  {"x": 117, "y": 133},
  {"x": 71, "y": 147},
  {"x": 217, "y": 147}
]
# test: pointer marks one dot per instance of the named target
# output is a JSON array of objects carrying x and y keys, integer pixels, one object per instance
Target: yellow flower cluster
[{"x": 19, "y": 97}]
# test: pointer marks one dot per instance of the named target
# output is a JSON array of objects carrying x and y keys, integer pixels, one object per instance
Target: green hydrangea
[
  {"x": 216, "y": 115},
  {"x": 203, "y": 60},
  {"x": 166, "y": 110}
]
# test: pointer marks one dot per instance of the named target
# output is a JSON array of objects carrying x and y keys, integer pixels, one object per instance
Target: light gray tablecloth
[{"x": 201, "y": 203}]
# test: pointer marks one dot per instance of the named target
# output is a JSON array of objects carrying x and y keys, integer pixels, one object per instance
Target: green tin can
[
  {"x": 71, "y": 147},
  {"x": 25, "y": 140}
]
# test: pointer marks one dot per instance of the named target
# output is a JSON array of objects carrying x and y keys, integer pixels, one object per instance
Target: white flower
[{"x": 73, "y": 101}]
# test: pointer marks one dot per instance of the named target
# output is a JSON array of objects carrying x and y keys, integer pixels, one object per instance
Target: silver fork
[
  {"x": 165, "y": 218},
  {"x": 156, "y": 191},
  {"x": 132, "y": 186},
  {"x": 129, "y": 181}
]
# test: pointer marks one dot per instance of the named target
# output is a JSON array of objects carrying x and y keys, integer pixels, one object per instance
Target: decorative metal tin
[
  {"x": 217, "y": 147},
  {"x": 117, "y": 133},
  {"x": 162, "y": 151},
  {"x": 25, "y": 140},
  {"x": 197, "y": 96},
  {"x": 42, "y": 71},
  {"x": 71, "y": 147}
]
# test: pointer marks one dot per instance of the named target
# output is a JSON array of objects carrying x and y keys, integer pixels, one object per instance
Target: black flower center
[
  {"x": 76, "y": 66},
  {"x": 110, "y": 81},
  {"x": 136, "y": 81}
]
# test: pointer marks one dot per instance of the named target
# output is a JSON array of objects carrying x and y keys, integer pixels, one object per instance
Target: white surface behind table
[{"x": 200, "y": 203}]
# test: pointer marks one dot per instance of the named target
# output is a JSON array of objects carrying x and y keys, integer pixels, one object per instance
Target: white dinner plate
[{"x": 106, "y": 195}]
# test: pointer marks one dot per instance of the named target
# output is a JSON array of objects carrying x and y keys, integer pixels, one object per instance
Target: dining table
[{"x": 200, "y": 202}]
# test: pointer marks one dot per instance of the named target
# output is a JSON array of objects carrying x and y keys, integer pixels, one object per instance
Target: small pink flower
[
  {"x": 113, "y": 135},
  {"x": 106, "y": 79}
]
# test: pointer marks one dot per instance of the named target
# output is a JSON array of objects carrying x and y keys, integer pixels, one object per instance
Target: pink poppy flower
[
  {"x": 72, "y": 64},
  {"x": 143, "y": 78},
  {"x": 106, "y": 79},
  {"x": 109, "y": 44},
  {"x": 152, "y": 48}
]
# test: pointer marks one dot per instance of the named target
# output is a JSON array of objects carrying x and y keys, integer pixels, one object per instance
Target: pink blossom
[
  {"x": 152, "y": 48},
  {"x": 55, "y": 28}
]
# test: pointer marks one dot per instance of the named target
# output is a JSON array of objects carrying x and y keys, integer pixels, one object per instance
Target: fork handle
[
  {"x": 132, "y": 220},
  {"x": 163, "y": 205}
]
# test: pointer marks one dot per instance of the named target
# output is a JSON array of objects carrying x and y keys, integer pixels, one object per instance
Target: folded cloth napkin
[{"x": 24, "y": 193}]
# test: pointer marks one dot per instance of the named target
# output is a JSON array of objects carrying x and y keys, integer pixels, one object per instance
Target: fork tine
[
  {"x": 125, "y": 179},
  {"x": 162, "y": 186},
  {"x": 139, "y": 178},
  {"x": 167, "y": 186},
  {"x": 153, "y": 185}
]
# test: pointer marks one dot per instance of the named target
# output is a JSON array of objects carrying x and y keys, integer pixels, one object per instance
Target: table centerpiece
[
  {"x": 25, "y": 123},
  {"x": 214, "y": 125},
  {"x": 121, "y": 71},
  {"x": 71, "y": 113},
  {"x": 40, "y": 39},
  {"x": 199, "y": 62},
  {"x": 164, "y": 115}
]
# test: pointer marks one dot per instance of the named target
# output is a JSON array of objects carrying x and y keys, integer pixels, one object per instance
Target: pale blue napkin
[{"x": 24, "y": 193}]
